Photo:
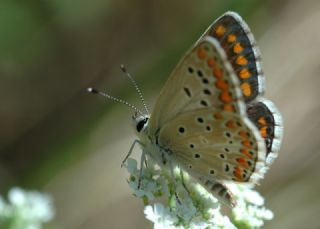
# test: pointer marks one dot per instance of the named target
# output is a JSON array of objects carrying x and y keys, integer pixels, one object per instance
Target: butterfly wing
[
  {"x": 238, "y": 42},
  {"x": 215, "y": 144},
  {"x": 266, "y": 117},
  {"x": 200, "y": 117}
]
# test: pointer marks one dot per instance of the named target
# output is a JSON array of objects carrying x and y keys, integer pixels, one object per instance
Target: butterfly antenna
[
  {"x": 95, "y": 91},
  {"x": 124, "y": 70}
]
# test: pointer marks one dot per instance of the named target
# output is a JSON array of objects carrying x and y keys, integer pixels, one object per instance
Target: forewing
[
  {"x": 238, "y": 42},
  {"x": 203, "y": 78}
]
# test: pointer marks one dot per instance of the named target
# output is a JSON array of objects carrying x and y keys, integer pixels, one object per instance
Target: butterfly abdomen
[{"x": 219, "y": 190}]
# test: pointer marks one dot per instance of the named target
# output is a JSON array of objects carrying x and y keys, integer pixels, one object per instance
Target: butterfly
[{"x": 211, "y": 119}]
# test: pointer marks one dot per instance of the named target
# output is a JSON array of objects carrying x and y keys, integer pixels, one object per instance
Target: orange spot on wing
[
  {"x": 244, "y": 73},
  {"x": 201, "y": 53},
  {"x": 243, "y": 133},
  {"x": 217, "y": 73},
  {"x": 262, "y": 121},
  {"x": 241, "y": 60},
  {"x": 238, "y": 173},
  {"x": 220, "y": 30},
  {"x": 246, "y": 152},
  {"x": 263, "y": 132},
  {"x": 218, "y": 116},
  {"x": 246, "y": 89},
  {"x": 242, "y": 162},
  {"x": 231, "y": 124},
  {"x": 232, "y": 38},
  {"x": 229, "y": 107},
  {"x": 246, "y": 143},
  {"x": 225, "y": 97},
  {"x": 221, "y": 84},
  {"x": 211, "y": 62},
  {"x": 237, "y": 48}
]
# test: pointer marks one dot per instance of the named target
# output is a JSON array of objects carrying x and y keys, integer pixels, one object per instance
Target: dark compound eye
[{"x": 141, "y": 124}]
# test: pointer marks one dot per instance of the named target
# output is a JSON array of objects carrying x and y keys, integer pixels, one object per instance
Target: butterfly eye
[{"x": 141, "y": 124}]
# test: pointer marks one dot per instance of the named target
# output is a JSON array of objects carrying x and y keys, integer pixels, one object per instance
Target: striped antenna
[
  {"x": 123, "y": 68},
  {"x": 95, "y": 91}
]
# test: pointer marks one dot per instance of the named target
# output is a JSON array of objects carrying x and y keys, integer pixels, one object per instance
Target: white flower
[
  {"x": 160, "y": 216},
  {"x": 148, "y": 186},
  {"x": 222, "y": 221},
  {"x": 16, "y": 197},
  {"x": 2, "y": 204},
  {"x": 26, "y": 210},
  {"x": 249, "y": 209},
  {"x": 189, "y": 205}
]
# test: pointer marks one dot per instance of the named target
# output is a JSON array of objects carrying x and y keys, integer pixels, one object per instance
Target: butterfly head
[{"x": 140, "y": 122}]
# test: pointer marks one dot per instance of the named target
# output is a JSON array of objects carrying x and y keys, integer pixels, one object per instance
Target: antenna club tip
[
  {"x": 92, "y": 90},
  {"x": 123, "y": 68}
]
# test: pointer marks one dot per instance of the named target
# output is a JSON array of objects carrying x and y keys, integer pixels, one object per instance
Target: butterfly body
[{"x": 210, "y": 118}]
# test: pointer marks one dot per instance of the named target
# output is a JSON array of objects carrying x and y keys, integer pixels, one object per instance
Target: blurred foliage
[
  {"x": 25, "y": 209},
  {"x": 24, "y": 38},
  {"x": 69, "y": 13},
  {"x": 51, "y": 50}
]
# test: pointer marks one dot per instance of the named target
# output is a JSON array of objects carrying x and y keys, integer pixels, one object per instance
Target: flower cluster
[
  {"x": 173, "y": 203},
  {"x": 249, "y": 211},
  {"x": 25, "y": 210}
]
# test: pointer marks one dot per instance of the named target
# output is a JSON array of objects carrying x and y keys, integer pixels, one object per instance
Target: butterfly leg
[
  {"x": 183, "y": 183},
  {"x": 130, "y": 151},
  {"x": 142, "y": 160},
  {"x": 220, "y": 191},
  {"x": 174, "y": 181}
]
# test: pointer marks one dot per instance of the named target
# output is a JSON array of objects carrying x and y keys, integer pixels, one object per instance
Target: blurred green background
[{"x": 57, "y": 138}]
